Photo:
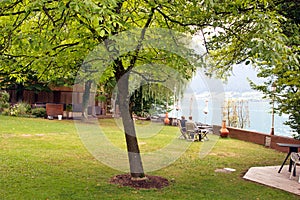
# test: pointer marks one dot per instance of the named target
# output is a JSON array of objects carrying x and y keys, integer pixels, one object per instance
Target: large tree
[{"x": 53, "y": 38}]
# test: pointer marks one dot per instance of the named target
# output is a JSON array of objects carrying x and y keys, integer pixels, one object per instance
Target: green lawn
[{"x": 45, "y": 159}]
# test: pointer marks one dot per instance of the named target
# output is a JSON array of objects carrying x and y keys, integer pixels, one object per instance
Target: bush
[
  {"x": 39, "y": 112},
  {"x": 6, "y": 111},
  {"x": 69, "y": 108},
  {"x": 20, "y": 109},
  {"x": 4, "y": 100}
]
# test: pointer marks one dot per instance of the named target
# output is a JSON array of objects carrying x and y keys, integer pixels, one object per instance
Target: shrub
[
  {"x": 6, "y": 111},
  {"x": 39, "y": 112},
  {"x": 4, "y": 100},
  {"x": 69, "y": 108},
  {"x": 20, "y": 109}
]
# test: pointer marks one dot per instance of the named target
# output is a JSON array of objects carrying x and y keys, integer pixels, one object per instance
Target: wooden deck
[{"x": 269, "y": 176}]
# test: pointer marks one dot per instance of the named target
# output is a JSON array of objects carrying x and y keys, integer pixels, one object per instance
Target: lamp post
[{"x": 273, "y": 87}]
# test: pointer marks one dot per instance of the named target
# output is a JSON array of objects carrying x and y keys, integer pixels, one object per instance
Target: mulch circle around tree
[{"x": 150, "y": 182}]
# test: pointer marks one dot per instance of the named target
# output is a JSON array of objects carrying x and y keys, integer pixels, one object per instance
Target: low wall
[{"x": 261, "y": 138}]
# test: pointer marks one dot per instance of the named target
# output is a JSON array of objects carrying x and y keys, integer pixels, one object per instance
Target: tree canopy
[
  {"x": 57, "y": 39},
  {"x": 53, "y": 38}
]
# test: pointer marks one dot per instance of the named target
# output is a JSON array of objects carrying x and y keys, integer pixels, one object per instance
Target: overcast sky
[{"x": 237, "y": 82}]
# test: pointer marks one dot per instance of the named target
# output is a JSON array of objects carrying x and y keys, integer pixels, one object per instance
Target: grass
[{"x": 46, "y": 159}]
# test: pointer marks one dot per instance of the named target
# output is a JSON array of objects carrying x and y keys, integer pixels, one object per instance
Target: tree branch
[
  {"x": 65, "y": 45},
  {"x": 20, "y": 56},
  {"x": 180, "y": 23},
  {"x": 48, "y": 15},
  {"x": 148, "y": 79},
  {"x": 140, "y": 44},
  {"x": 23, "y": 12}
]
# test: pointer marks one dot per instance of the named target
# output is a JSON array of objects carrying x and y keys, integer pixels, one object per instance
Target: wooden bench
[{"x": 54, "y": 110}]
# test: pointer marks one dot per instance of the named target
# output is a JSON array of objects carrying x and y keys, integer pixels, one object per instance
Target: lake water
[
  {"x": 260, "y": 114},
  {"x": 202, "y": 88},
  {"x": 261, "y": 119}
]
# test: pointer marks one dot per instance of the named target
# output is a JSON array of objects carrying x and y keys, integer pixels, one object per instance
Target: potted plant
[
  {"x": 102, "y": 99},
  {"x": 69, "y": 109}
]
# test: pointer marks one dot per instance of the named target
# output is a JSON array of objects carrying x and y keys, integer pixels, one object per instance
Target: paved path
[{"x": 269, "y": 176}]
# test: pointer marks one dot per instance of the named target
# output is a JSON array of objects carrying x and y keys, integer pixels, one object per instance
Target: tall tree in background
[
  {"x": 236, "y": 113},
  {"x": 285, "y": 74}
]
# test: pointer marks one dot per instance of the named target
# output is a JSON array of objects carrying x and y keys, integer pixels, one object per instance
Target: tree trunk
[
  {"x": 20, "y": 92},
  {"x": 135, "y": 161},
  {"x": 86, "y": 98}
]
